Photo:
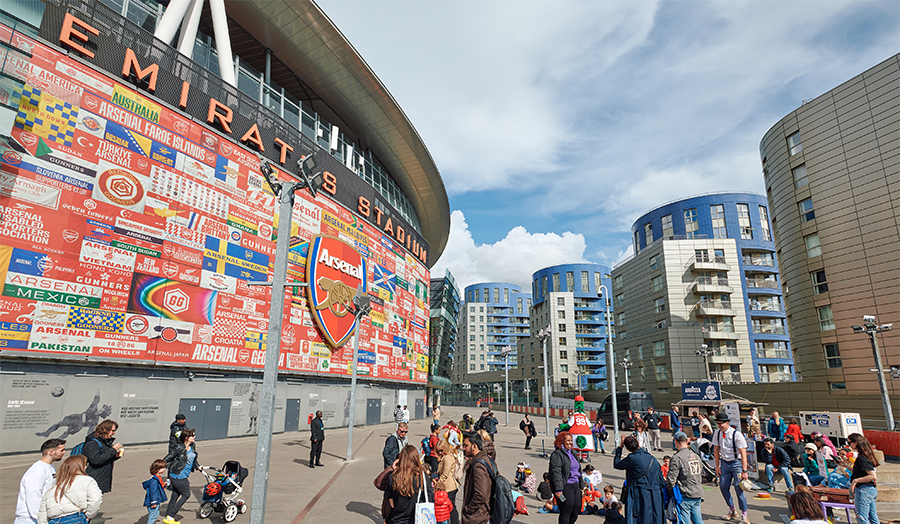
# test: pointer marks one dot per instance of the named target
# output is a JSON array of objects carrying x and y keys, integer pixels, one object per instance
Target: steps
[{"x": 888, "y": 502}]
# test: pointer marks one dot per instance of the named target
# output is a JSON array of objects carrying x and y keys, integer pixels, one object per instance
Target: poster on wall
[{"x": 129, "y": 233}]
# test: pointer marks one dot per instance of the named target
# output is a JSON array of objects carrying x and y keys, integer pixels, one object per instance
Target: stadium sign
[{"x": 335, "y": 270}]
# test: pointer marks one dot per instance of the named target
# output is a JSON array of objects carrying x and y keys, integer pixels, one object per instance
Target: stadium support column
[{"x": 223, "y": 41}]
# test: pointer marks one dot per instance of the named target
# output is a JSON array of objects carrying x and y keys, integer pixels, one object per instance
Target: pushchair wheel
[
  {"x": 243, "y": 508},
  {"x": 231, "y": 512},
  {"x": 205, "y": 510}
]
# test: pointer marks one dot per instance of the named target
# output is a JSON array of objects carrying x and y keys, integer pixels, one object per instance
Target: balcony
[
  {"x": 767, "y": 329},
  {"x": 773, "y": 353},
  {"x": 707, "y": 263},
  {"x": 758, "y": 260},
  {"x": 710, "y": 286},
  {"x": 720, "y": 332},
  {"x": 589, "y": 304},
  {"x": 775, "y": 377},
  {"x": 760, "y": 283},
  {"x": 724, "y": 356},
  {"x": 589, "y": 318},
  {"x": 580, "y": 330},
  {"x": 714, "y": 308},
  {"x": 725, "y": 377},
  {"x": 756, "y": 305}
]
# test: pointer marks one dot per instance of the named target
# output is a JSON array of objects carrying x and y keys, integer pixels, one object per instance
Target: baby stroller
[
  {"x": 222, "y": 489},
  {"x": 703, "y": 449}
]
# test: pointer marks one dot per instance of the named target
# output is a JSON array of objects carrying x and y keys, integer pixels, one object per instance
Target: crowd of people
[{"x": 462, "y": 457}]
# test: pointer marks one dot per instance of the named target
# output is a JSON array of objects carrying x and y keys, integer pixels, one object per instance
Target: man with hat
[
  {"x": 730, "y": 452},
  {"x": 175, "y": 430},
  {"x": 775, "y": 458},
  {"x": 684, "y": 472}
]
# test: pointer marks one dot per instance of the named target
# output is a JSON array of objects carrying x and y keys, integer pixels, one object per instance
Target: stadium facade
[{"x": 135, "y": 219}]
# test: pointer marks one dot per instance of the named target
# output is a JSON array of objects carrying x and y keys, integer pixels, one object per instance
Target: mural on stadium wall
[{"x": 129, "y": 232}]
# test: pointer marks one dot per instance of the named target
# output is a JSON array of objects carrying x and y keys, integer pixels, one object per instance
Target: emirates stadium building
[{"x": 136, "y": 224}]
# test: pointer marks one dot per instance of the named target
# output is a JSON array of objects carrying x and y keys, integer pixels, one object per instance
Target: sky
[{"x": 556, "y": 124}]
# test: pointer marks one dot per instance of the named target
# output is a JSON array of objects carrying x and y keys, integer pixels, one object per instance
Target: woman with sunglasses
[{"x": 862, "y": 480}]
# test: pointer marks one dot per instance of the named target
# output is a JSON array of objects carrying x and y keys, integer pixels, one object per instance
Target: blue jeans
[
  {"x": 785, "y": 472},
  {"x": 689, "y": 511},
  {"x": 731, "y": 476},
  {"x": 152, "y": 514},
  {"x": 815, "y": 480},
  {"x": 864, "y": 501},
  {"x": 598, "y": 444}
]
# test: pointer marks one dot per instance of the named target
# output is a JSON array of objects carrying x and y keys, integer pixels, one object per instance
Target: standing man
[
  {"x": 478, "y": 485},
  {"x": 684, "y": 472},
  {"x": 675, "y": 423},
  {"x": 175, "y": 429},
  {"x": 36, "y": 480},
  {"x": 394, "y": 443},
  {"x": 527, "y": 427},
  {"x": 776, "y": 458},
  {"x": 436, "y": 415},
  {"x": 398, "y": 414},
  {"x": 653, "y": 419},
  {"x": 317, "y": 436},
  {"x": 406, "y": 414},
  {"x": 730, "y": 451}
]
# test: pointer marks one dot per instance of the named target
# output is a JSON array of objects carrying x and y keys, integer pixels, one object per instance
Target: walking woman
[
  {"x": 181, "y": 461},
  {"x": 446, "y": 480},
  {"x": 405, "y": 485},
  {"x": 74, "y": 498},
  {"x": 565, "y": 478},
  {"x": 862, "y": 480}
]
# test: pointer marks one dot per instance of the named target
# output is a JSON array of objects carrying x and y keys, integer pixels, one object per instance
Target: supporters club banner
[{"x": 129, "y": 232}]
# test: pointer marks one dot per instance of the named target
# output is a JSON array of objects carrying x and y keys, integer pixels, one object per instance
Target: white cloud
[{"x": 512, "y": 259}]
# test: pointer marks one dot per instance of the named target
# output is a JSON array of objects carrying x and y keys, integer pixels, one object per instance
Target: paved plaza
[{"x": 340, "y": 491}]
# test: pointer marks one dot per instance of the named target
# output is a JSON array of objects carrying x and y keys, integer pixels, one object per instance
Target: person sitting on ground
[
  {"x": 806, "y": 508},
  {"x": 520, "y": 475},
  {"x": 609, "y": 496},
  {"x": 543, "y": 490},
  {"x": 794, "y": 451},
  {"x": 592, "y": 476},
  {"x": 614, "y": 514},
  {"x": 810, "y": 466},
  {"x": 775, "y": 459},
  {"x": 530, "y": 480}
]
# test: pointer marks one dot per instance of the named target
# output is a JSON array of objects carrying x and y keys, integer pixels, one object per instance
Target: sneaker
[
  {"x": 731, "y": 515},
  {"x": 745, "y": 519},
  {"x": 170, "y": 520},
  {"x": 771, "y": 489}
]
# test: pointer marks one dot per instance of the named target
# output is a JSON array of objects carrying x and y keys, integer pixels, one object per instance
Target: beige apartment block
[{"x": 832, "y": 172}]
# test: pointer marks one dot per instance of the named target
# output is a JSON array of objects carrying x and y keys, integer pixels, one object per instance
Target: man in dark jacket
[
  {"x": 101, "y": 451},
  {"x": 489, "y": 423},
  {"x": 175, "y": 429},
  {"x": 394, "y": 443},
  {"x": 684, "y": 472},
  {"x": 644, "y": 500},
  {"x": 794, "y": 450},
  {"x": 775, "y": 458},
  {"x": 653, "y": 420},
  {"x": 316, "y": 437},
  {"x": 478, "y": 485}
]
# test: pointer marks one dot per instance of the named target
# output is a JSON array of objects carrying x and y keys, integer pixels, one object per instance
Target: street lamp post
[
  {"x": 505, "y": 352},
  {"x": 361, "y": 307},
  {"x": 611, "y": 361},
  {"x": 705, "y": 351},
  {"x": 284, "y": 190},
  {"x": 527, "y": 392},
  {"x": 625, "y": 365},
  {"x": 543, "y": 335},
  {"x": 872, "y": 330}
]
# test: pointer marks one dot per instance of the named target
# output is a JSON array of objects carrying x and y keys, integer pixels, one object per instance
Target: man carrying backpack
[
  {"x": 730, "y": 452},
  {"x": 478, "y": 486},
  {"x": 429, "y": 448}
]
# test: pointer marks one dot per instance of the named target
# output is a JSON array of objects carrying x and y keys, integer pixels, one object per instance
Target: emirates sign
[{"x": 335, "y": 270}]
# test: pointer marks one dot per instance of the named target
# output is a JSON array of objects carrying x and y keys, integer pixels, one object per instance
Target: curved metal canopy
[{"x": 306, "y": 41}]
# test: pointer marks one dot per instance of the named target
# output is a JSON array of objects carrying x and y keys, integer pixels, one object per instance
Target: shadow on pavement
[{"x": 367, "y": 510}]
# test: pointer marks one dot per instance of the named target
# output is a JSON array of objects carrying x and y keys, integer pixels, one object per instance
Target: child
[
  {"x": 442, "y": 507},
  {"x": 609, "y": 496},
  {"x": 520, "y": 475},
  {"x": 614, "y": 515},
  {"x": 592, "y": 476},
  {"x": 543, "y": 491},
  {"x": 665, "y": 465},
  {"x": 530, "y": 480},
  {"x": 155, "y": 487}
]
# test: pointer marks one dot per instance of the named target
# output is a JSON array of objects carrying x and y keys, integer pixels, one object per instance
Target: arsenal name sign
[{"x": 334, "y": 271}]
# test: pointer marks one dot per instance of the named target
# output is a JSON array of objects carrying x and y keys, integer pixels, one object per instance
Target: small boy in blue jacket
[{"x": 156, "y": 492}]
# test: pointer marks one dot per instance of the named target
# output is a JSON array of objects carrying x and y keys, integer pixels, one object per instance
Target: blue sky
[{"x": 556, "y": 124}]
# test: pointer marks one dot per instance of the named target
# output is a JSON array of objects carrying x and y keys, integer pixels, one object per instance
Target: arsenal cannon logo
[{"x": 334, "y": 270}]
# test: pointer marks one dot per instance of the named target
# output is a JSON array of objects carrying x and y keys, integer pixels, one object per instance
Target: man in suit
[{"x": 317, "y": 436}]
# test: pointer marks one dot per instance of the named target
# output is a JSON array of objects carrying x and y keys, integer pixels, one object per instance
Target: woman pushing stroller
[{"x": 181, "y": 461}]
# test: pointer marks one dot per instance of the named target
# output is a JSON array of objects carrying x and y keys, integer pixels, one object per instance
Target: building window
[
  {"x": 795, "y": 145},
  {"x": 560, "y": 314},
  {"x": 662, "y": 372},
  {"x": 482, "y": 367},
  {"x": 562, "y": 341},
  {"x": 637, "y": 244},
  {"x": 641, "y": 353},
  {"x": 481, "y": 309},
  {"x": 482, "y": 357},
  {"x": 471, "y": 308},
  {"x": 560, "y": 301},
  {"x": 585, "y": 282},
  {"x": 621, "y": 319},
  {"x": 544, "y": 285},
  {"x": 555, "y": 282},
  {"x": 472, "y": 357},
  {"x": 564, "y": 368},
  {"x": 648, "y": 234},
  {"x": 497, "y": 294},
  {"x": 717, "y": 213},
  {"x": 774, "y": 373},
  {"x": 564, "y": 382},
  {"x": 597, "y": 282},
  {"x": 764, "y": 222},
  {"x": 519, "y": 305},
  {"x": 564, "y": 355},
  {"x": 659, "y": 348},
  {"x": 837, "y": 386},
  {"x": 481, "y": 318},
  {"x": 657, "y": 283},
  {"x": 826, "y": 318},
  {"x": 664, "y": 391},
  {"x": 506, "y": 295},
  {"x": 620, "y": 299},
  {"x": 562, "y": 328},
  {"x": 801, "y": 178},
  {"x": 570, "y": 281},
  {"x": 471, "y": 338},
  {"x": 813, "y": 248},
  {"x": 532, "y": 371},
  {"x": 528, "y": 304},
  {"x": 667, "y": 230},
  {"x": 807, "y": 212},
  {"x": 832, "y": 356},
  {"x": 471, "y": 367},
  {"x": 691, "y": 226},
  {"x": 471, "y": 318},
  {"x": 643, "y": 377},
  {"x": 660, "y": 304},
  {"x": 744, "y": 221},
  {"x": 477, "y": 295},
  {"x": 820, "y": 285},
  {"x": 617, "y": 282}
]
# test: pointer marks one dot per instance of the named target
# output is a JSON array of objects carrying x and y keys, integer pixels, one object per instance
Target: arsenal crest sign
[{"x": 334, "y": 270}]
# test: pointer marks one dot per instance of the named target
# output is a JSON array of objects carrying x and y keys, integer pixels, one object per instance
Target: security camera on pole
[
  {"x": 542, "y": 336},
  {"x": 505, "y": 352},
  {"x": 611, "y": 362}
]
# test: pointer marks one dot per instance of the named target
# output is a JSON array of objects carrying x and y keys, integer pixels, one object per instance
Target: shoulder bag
[{"x": 424, "y": 510}]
